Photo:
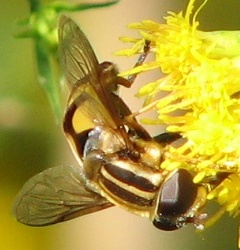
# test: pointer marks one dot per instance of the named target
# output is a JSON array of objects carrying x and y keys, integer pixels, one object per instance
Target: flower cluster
[{"x": 201, "y": 87}]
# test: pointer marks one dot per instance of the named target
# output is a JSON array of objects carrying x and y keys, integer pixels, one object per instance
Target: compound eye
[
  {"x": 176, "y": 197},
  {"x": 177, "y": 194}
]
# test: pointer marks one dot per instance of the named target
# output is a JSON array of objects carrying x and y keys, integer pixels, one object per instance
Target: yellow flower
[{"x": 201, "y": 83}]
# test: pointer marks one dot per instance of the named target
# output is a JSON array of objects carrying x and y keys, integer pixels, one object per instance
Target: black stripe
[
  {"x": 130, "y": 178},
  {"x": 80, "y": 138},
  {"x": 124, "y": 194},
  {"x": 67, "y": 122}
]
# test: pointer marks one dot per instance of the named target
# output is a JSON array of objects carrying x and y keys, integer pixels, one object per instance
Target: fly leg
[{"x": 140, "y": 61}]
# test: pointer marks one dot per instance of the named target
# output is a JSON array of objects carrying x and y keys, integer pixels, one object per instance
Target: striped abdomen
[{"x": 130, "y": 185}]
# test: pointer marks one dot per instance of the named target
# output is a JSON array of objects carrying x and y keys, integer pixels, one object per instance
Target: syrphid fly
[{"x": 119, "y": 163}]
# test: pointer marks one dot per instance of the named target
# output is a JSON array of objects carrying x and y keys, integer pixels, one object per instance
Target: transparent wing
[
  {"x": 55, "y": 195},
  {"x": 85, "y": 108},
  {"x": 76, "y": 54},
  {"x": 81, "y": 70}
]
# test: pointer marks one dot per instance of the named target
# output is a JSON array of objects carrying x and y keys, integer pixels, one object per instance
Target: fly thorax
[
  {"x": 104, "y": 139},
  {"x": 150, "y": 153}
]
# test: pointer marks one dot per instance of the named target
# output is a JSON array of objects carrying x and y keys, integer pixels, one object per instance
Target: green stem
[
  {"x": 34, "y": 5},
  {"x": 81, "y": 7},
  {"x": 49, "y": 72}
]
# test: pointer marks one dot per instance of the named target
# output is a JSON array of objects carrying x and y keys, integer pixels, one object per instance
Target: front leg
[{"x": 141, "y": 59}]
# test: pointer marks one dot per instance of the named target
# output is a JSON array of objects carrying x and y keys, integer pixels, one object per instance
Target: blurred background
[{"x": 30, "y": 140}]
